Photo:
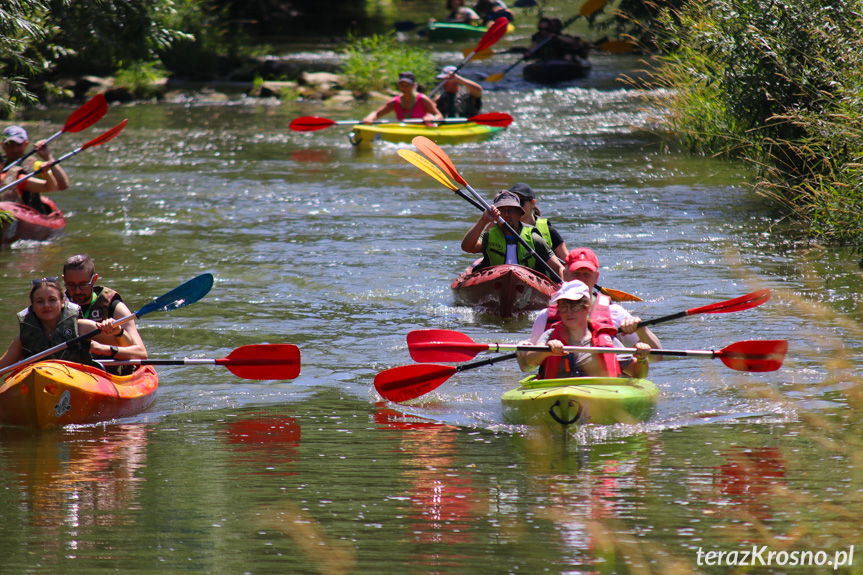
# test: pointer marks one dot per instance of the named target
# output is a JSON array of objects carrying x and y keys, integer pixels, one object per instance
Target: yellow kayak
[{"x": 456, "y": 133}]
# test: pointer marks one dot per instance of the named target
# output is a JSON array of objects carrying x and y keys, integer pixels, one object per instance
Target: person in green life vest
[
  {"x": 532, "y": 217},
  {"x": 488, "y": 237},
  {"x": 99, "y": 303},
  {"x": 51, "y": 320}
]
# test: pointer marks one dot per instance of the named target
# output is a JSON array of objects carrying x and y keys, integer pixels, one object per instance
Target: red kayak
[
  {"x": 504, "y": 290},
  {"x": 30, "y": 224}
]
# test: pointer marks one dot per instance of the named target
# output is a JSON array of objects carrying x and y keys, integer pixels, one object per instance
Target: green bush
[
  {"x": 141, "y": 78},
  {"x": 777, "y": 84},
  {"x": 374, "y": 63}
]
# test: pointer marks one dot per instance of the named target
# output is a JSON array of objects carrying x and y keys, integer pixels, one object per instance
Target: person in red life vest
[
  {"x": 573, "y": 302},
  {"x": 100, "y": 303},
  {"x": 410, "y": 104},
  {"x": 51, "y": 320},
  {"x": 496, "y": 244},
  {"x": 583, "y": 265}
]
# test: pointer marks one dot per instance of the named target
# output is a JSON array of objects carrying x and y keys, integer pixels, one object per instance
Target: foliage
[
  {"x": 373, "y": 63},
  {"x": 778, "y": 84},
  {"x": 17, "y": 34},
  {"x": 141, "y": 78}
]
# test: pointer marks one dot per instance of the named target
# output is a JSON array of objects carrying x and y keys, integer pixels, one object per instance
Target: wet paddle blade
[
  {"x": 264, "y": 361},
  {"x": 411, "y": 381},
  {"x": 87, "y": 115},
  {"x": 310, "y": 124},
  {"x": 618, "y": 295},
  {"x": 758, "y": 355},
  {"x": 426, "y": 345},
  {"x": 617, "y": 47},
  {"x": 423, "y": 164},
  {"x": 741, "y": 303},
  {"x": 439, "y": 157},
  {"x": 499, "y": 119},
  {"x": 105, "y": 136},
  {"x": 481, "y": 55},
  {"x": 186, "y": 294},
  {"x": 495, "y": 32},
  {"x": 590, "y": 7},
  {"x": 494, "y": 77}
]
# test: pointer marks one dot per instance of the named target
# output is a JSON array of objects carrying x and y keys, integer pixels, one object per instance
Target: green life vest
[
  {"x": 541, "y": 225},
  {"x": 33, "y": 338},
  {"x": 497, "y": 247}
]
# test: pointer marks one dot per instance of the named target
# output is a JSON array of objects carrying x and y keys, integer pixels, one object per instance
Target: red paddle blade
[
  {"x": 427, "y": 345},
  {"x": 310, "y": 124},
  {"x": 411, "y": 381},
  {"x": 741, "y": 303},
  {"x": 104, "y": 137},
  {"x": 494, "y": 33},
  {"x": 439, "y": 157},
  {"x": 758, "y": 355},
  {"x": 87, "y": 115},
  {"x": 492, "y": 119},
  {"x": 266, "y": 361}
]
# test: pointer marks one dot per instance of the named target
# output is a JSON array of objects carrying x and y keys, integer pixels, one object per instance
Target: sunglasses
[
  {"x": 52, "y": 280},
  {"x": 565, "y": 307},
  {"x": 80, "y": 286}
]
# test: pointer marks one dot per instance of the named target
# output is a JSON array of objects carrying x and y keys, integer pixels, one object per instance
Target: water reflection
[
  {"x": 75, "y": 478},
  {"x": 264, "y": 444}
]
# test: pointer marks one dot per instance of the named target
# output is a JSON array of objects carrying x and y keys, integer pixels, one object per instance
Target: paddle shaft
[
  {"x": 483, "y": 362},
  {"x": 193, "y": 361},
  {"x": 94, "y": 142},
  {"x": 497, "y": 347},
  {"x": 88, "y": 114},
  {"x": 492, "y": 35}
]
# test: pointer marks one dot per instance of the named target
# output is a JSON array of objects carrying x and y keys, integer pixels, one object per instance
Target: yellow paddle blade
[
  {"x": 617, "y": 47},
  {"x": 429, "y": 168},
  {"x": 617, "y": 295},
  {"x": 481, "y": 55},
  {"x": 494, "y": 77},
  {"x": 590, "y": 7}
]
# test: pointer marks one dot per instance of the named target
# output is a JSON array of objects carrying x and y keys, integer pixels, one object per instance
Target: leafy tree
[{"x": 20, "y": 29}]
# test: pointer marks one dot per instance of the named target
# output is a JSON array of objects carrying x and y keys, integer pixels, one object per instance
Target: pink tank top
[{"x": 418, "y": 110}]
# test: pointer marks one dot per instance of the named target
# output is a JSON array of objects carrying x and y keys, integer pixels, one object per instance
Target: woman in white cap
[
  {"x": 574, "y": 305},
  {"x": 410, "y": 104}
]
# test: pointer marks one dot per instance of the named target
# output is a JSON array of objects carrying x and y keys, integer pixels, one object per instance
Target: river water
[{"x": 343, "y": 253}]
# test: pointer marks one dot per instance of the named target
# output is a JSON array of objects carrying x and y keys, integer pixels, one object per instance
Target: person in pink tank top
[{"x": 410, "y": 104}]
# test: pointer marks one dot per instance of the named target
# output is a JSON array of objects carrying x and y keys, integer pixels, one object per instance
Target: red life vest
[{"x": 602, "y": 332}]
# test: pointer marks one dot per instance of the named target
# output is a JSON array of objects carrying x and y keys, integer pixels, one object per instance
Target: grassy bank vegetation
[
  {"x": 374, "y": 63},
  {"x": 780, "y": 85}
]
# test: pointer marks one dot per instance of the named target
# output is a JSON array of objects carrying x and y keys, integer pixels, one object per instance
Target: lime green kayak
[
  {"x": 581, "y": 400},
  {"x": 451, "y": 31},
  {"x": 455, "y": 133}
]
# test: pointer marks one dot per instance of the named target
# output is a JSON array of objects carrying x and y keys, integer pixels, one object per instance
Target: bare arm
[
  {"x": 61, "y": 179},
  {"x": 639, "y": 367},
  {"x": 432, "y": 113},
  {"x": 13, "y": 353},
  {"x": 129, "y": 343},
  {"x": 471, "y": 242},
  {"x": 382, "y": 111},
  {"x": 644, "y": 334}
]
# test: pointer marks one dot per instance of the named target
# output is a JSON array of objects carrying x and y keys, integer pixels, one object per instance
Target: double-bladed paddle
[
  {"x": 315, "y": 123},
  {"x": 82, "y": 118},
  {"x": 97, "y": 141},
  {"x": 442, "y": 161},
  {"x": 741, "y": 303},
  {"x": 259, "y": 361},
  {"x": 181, "y": 296},
  {"x": 411, "y": 381},
  {"x": 494, "y": 33}
]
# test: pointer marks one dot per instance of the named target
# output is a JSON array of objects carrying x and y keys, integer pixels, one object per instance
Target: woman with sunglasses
[
  {"x": 574, "y": 305},
  {"x": 51, "y": 320},
  {"x": 410, "y": 104}
]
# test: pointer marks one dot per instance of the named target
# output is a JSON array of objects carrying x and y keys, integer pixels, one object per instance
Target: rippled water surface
[{"x": 343, "y": 253}]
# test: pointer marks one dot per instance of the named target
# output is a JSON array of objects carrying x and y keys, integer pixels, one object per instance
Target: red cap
[{"x": 582, "y": 258}]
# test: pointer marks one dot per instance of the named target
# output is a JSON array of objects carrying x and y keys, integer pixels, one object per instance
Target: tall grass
[
  {"x": 779, "y": 85},
  {"x": 373, "y": 63}
]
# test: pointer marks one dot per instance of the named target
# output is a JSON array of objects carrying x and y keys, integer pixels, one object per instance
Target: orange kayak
[
  {"x": 503, "y": 290},
  {"x": 55, "y": 393}
]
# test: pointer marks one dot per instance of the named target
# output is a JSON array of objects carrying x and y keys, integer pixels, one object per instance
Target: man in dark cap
[
  {"x": 532, "y": 217},
  {"x": 498, "y": 246},
  {"x": 460, "y": 98}
]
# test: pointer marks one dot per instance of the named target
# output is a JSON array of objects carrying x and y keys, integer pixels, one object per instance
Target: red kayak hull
[
  {"x": 504, "y": 290},
  {"x": 30, "y": 224}
]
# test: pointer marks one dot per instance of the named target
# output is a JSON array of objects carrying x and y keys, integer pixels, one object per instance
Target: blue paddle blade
[{"x": 181, "y": 296}]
